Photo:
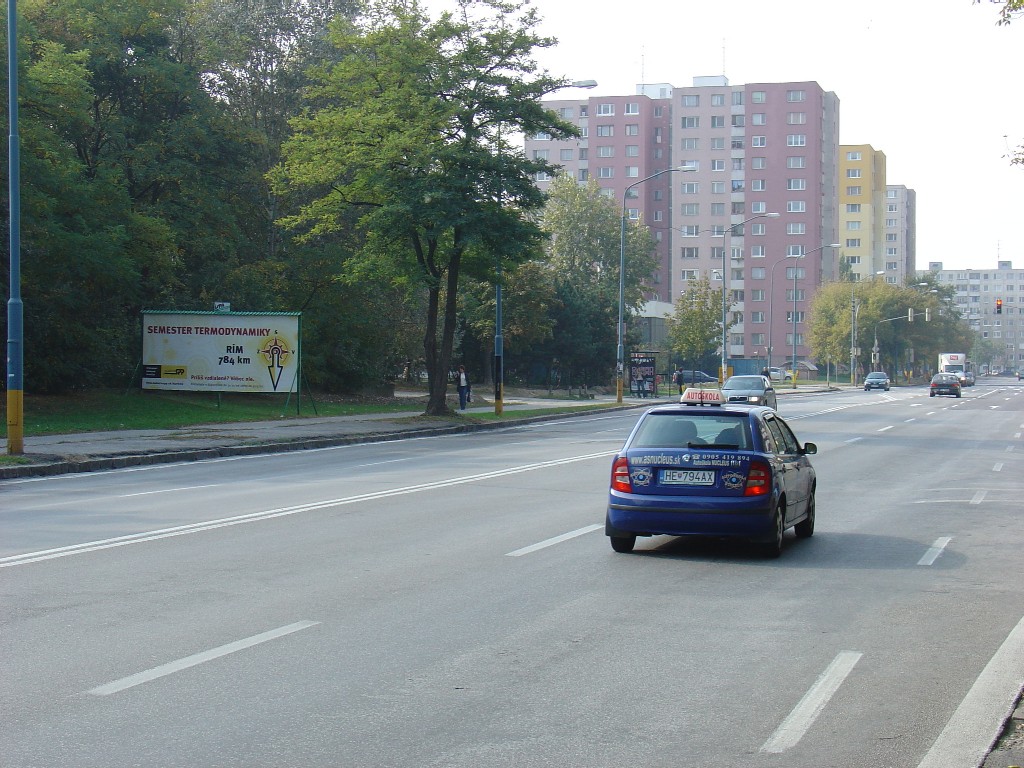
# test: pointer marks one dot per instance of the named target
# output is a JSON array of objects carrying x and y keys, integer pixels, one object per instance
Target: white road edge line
[
  {"x": 935, "y": 550},
  {"x": 977, "y": 722},
  {"x": 200, "y": 658},
  {"x": 551, "y": 542},
  {"x": 886, "y": 429},
  {"x": 811, "y": 705}
]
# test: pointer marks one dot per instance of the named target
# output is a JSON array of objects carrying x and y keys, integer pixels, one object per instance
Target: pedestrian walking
[
  {"x": 677, "y": 379},
  {"x": 462, "y": 382}
]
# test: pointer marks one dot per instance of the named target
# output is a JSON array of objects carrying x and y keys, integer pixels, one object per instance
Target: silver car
[{"x": 754, "y": 390}]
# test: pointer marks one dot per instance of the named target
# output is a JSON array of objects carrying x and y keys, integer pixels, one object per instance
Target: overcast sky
[{"x": 934, "y": 84}]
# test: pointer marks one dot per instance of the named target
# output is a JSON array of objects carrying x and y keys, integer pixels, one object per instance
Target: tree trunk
[{"x": 437, "y": 404}]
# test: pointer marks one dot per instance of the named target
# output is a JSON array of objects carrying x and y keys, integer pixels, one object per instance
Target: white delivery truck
[{"x": 954, "y": 362}]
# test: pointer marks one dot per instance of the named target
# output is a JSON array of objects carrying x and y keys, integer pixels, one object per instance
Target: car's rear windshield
[
  {"x": 744, "y": 382},
  {"x": 683, "y": 430}
]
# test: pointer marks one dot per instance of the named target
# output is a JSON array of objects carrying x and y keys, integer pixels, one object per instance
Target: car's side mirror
[{"x": 809, "y": 449}]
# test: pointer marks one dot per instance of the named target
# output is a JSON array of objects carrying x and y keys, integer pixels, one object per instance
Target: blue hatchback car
[{"x": 705, "y": 468}]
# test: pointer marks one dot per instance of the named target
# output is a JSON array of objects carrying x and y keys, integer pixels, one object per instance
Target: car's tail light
[
  {"x": 759, "y": 479},
  {"x": 620, "y": 475}
]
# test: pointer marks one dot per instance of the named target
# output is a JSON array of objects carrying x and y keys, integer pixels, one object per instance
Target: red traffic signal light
[{"x": 999, "y": 306}]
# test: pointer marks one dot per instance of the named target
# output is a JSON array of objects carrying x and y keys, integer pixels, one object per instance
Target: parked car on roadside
[
  {"x": 778, "y": 374},
  {"x": 876, "y": 380}
]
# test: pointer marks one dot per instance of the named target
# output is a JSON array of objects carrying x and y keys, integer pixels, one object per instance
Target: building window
[
  {"x": 605, "y": 172},
  {"x": 757, "y": 317},
  {"x": 691, "y": 209},
  {"x": 737, "y": 163},
  {"x": 658, "y": 215},
  {"x": 632, "y": 171},
  {"x": 738, "y": 121},
  {"x": 689, "y": 274},
  {"x": 737, "y": 98},
  {"x": 542, "y": 176},
  {"x": 690, "y": 252},
  {"x": 853, "y": 191},
  {"x": 853, "y": 173},
  {"x": 718, "y": 121},
  {"x": 757, "y": 294},
  {"x": 718, "y": 142},
  {"x": 718, "y": 165},
  {"x": 796, "y": 228},
  {"x": 566, "y": 113},
  {"x": 892, "y": 208},
  {"x": 758, "y": 185},
  {"x": 657, "y": 111},
  {"x": 853, "y": 242},
  {"x": 853, "y": 225},
  {"x": 606, "y": 109},
  {"x": 634, "y": 214},
  {"x": 758, "y": 97},
  {"x": 738, "y": 207},
  {"x": 691, "y": 122},
  {"x": 632, "y": 129},
  {"x": 718, "y": 100},
  {"x": 691, "y": 144},
  {"x": 690, "y": 230},
  {"x": 796, "y": 118},
  {"x": 759, "y": 118},
  {"x": 757, "y": 228},
  {"x": 541, "y": 136},
  {"x": 890, "y": 222},
  {"x": 584, "y": 174},
  {"x": 584, "y": 153},
  {"x": 605, "y": 131},
  {"x": 632, "y": 150},
  {"x": 758, "y": 207},
  {"x": 718, "y": 209},
  {"x": 796, "y": 161},
  {"x": 796, "y": 206},
  {"x": 737, "y": 185},
  {"x": 796, "y": 96},
  {"x": 691, "y": 188},
  {"x": 758, "y": 163},
  {"x": 796, "y": 184},
  {"x": 606, "y": 151},
  {"x": 691, "y": 100},
  {"x": 718, "y": 187},
  {"x": 540, "y": 154},
  {"x": 853, "y": 155},
  {"x": 757, "y": 252},
  {"x": 759, "y": 141},
  {"x": 853, "y": 207},
  {"x": 736, "y": 142},
  {"x": 895, "y": 252},
  {"x": 796, "y": 140},
  {"x": 632, "y": 109},
  {"x": 891, "y": 237},
  {"x": 565, "y": 155},
  {"x": 695, "y": 164}
]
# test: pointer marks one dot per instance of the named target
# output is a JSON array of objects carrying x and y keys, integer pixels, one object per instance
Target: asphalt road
[{"x": 452, "y": 601}]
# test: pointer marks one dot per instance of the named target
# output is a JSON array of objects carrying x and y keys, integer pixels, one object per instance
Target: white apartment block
[{"x": 978, "y": 292}]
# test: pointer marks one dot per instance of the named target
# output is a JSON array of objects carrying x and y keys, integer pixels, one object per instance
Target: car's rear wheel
[
  {"x": 773, "y": 548},
  {"x": 805, "y": 528},
  {"x": 623, "y": 543}
]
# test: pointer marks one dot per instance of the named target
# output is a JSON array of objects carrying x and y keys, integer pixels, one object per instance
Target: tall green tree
[
  {"x": 585, "y": 230},
  {"x": 409, "y": 129},
  {"x": 695, "y": 328}
]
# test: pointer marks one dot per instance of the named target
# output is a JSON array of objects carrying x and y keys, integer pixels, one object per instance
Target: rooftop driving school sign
[{"x": 220, "y": 351}]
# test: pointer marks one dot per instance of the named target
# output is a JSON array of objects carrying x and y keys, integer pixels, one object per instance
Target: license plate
[{"x": 688, "y": 477}]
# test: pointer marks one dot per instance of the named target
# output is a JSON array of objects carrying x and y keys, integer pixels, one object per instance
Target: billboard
[{"x": 220, "y": 351}]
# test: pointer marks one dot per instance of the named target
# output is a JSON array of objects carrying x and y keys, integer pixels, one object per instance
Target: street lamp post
[
  {"x": 725, "y": 280},
  {"x": 15, "y": 310},
  {"x": 499, "y": 339},
  {"x": 771, "y": 301},
  {"x": 620, "y": 350}
]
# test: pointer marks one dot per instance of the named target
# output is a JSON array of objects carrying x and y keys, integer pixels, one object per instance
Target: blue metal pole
[{"x": 15, "y": 313}]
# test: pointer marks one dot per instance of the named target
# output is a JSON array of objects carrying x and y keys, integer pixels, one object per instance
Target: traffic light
[{"x": 999, "y": 306}]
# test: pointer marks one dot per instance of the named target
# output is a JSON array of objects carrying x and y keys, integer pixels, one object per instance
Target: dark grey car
[{"x": 754, "y": 390}]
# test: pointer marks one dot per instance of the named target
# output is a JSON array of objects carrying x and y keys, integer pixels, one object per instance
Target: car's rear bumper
[{"x": 748, "y": 517}]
